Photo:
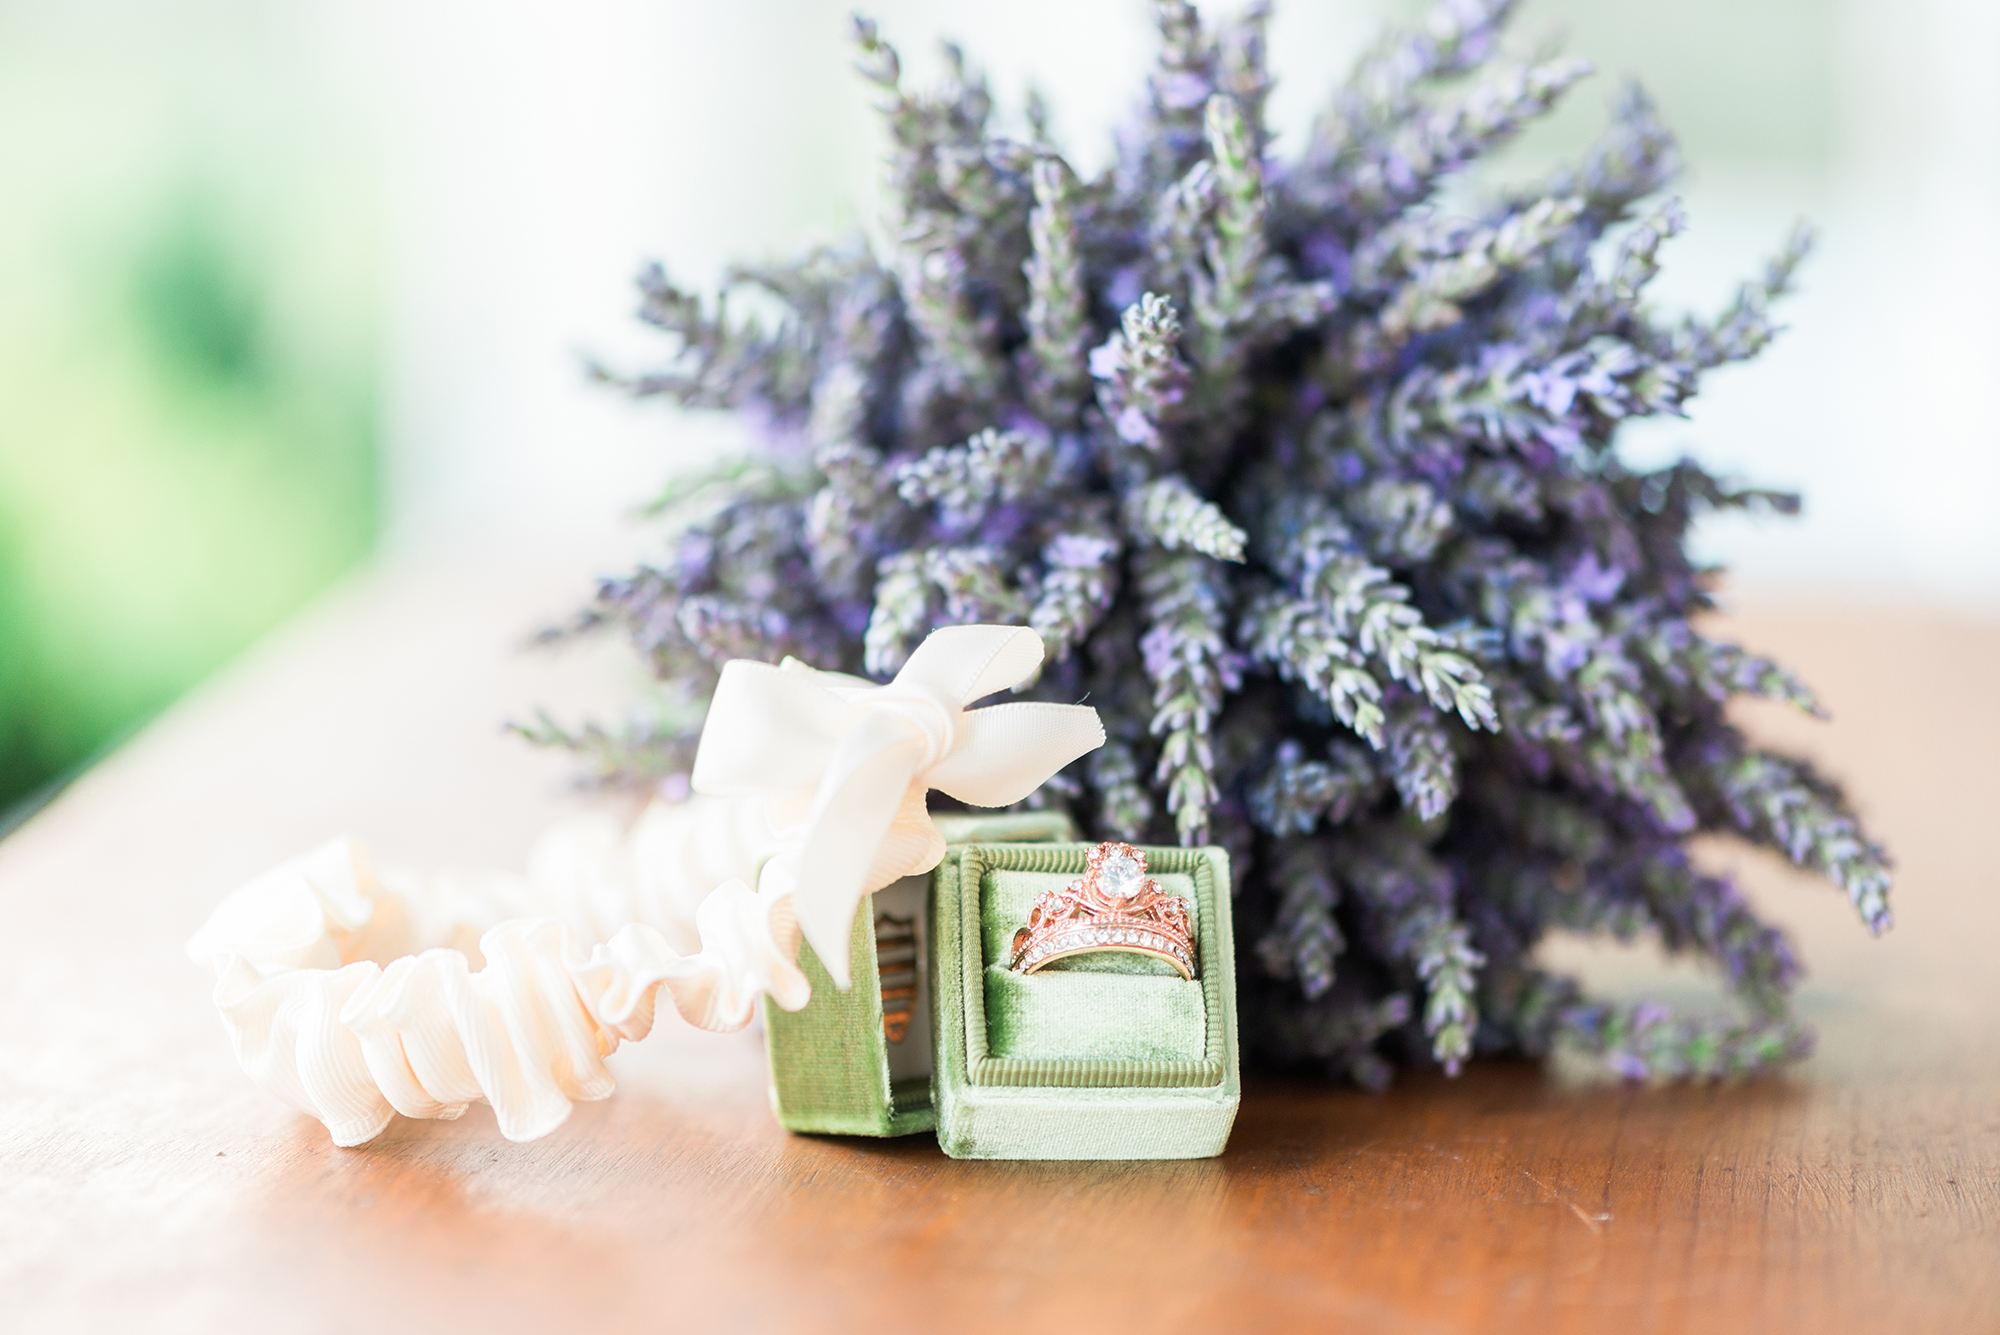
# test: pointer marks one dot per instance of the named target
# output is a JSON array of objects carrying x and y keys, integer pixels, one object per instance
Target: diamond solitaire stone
[{"x": 1121, "y": 876}]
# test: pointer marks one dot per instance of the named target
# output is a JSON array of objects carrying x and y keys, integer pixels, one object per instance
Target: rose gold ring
[{"x": 1113, "y": 906}]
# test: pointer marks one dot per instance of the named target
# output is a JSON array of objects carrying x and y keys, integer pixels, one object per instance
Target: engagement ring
[{"x": 1114, "y": 905}]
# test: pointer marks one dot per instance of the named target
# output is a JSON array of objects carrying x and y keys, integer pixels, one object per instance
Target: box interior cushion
[
  {"x": 1110, "y": 1016},
  {"x": 1106, "y": 1005}
]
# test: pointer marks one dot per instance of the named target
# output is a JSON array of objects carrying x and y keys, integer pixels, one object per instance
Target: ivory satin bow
[
  {"x": 351, "y": 996},
  {"x": 843, "y": 765}
]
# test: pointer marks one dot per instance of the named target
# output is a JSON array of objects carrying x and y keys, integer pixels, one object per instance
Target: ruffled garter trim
[{"x": 351, "y": 1039}]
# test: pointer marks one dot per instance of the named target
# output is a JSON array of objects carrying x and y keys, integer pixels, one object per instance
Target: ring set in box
[{"x": 1104, "y": 1055}]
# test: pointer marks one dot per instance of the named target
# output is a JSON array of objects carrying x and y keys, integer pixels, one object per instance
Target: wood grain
[{"x": 144, "y": 1184}]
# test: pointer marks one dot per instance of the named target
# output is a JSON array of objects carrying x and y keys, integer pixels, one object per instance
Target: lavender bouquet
[{"x": 1312, "y": 489}]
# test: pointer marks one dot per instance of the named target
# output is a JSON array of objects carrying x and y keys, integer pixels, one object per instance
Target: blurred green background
[
  {"x": 283, "y": 280},
  {"x": 188, "y": 362}
]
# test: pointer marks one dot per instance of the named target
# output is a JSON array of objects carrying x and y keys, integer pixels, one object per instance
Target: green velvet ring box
[
  {"x": 859, "y": 1062},
  {"x": 1099, "y": 1056},
  {"x": 1102, "y": 1056}
]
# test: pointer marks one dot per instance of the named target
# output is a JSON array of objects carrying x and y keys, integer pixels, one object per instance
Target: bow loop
[
  {"x": 968, "y": 663},
  {"x": 843, "y": 766}
]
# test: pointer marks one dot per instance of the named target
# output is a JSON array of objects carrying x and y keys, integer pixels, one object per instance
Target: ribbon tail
[
  {"x": 1007, "y": 751},
  {"x": 850, "y": 820}
]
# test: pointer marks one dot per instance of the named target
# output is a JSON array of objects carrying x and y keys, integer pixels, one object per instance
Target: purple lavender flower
[{"x": 1313, "y": 489}]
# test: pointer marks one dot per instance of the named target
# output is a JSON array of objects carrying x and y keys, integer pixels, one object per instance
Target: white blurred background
[
  {"x": 536, "y": 159},
  {"x": 282, "y": 281}
]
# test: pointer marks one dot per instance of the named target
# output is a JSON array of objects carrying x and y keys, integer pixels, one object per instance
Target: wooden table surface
[{"x": 146, "y": 1185}]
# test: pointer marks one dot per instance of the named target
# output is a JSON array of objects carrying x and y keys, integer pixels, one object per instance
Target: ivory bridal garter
[{"x": 352, "y": 995}]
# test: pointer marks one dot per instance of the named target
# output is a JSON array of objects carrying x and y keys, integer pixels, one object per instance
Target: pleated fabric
[{"x": 354, "y": 996}]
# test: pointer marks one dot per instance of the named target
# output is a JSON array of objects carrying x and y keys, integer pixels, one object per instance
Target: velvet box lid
[{"x": 858, "y": 1063}]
